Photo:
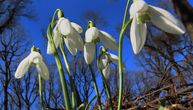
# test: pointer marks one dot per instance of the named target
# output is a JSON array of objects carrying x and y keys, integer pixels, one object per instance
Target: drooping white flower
[
  {"x": 104, "y": 62},
  {"x": 33, "y": 59},
  {"x": 94, "y": 35},
  {"x": 140, "y": 12},
  {"x": 89, "y": 52},
  {"x": 70, "y": 32}
]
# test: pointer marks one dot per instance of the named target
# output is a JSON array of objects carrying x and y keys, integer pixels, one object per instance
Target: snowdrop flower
[
  {"x": 33, "y": 59},
  {"x": 140, "y": 12},
  {"x": 70, "y": 32},
  {"x": 92, "y": 36},
  {"x": 104, "y": 61}
]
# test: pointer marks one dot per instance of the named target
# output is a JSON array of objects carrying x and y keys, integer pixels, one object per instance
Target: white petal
[
  {"x": 35, "y": 57},
  {"x": 64, "y": 26},
  {"x": 49, "y": 49},
  {"x": 166, "y": 21},
  {"x": 103, "y": 61},
  {"x": 77, "y": 27},
  {"x": 108, "y": 40},
  {"x": 138, "y": 35},
  {"x": 22, "y": 68},
  {"x": 42, "y": 70},
  {"x": 70, "y": 45},
  {"x": 91, "y": 34},
  {"x": 137, "y": 7},
  {"x": 114, "y": 58},
  {"x": 106, "y": 72},
  {"x": 89, "y": 52},
  {"x": 76, "y": 39},
  {"x": 56, "y": 39}
]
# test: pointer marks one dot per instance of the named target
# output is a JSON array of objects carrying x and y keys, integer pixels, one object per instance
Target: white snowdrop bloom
[
  {"x": 89, "y": 52},
  {"x": 94, "y": 33},
  {"x": 33, "y": 59},
  {"x": 70, "y": 32},
  {"x": 104, "y": 62},
  {"x": 92, "y": 36},
  {"x": 140, "y": 13}
]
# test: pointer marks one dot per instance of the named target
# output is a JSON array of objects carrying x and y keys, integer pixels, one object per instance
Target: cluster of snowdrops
[{"x": 62, "y": 31}]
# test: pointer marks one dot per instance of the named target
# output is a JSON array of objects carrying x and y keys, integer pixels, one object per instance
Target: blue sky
[{"x": 73, "y": 10}]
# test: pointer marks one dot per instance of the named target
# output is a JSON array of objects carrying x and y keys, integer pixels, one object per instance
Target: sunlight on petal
[
  {"x": 76, "y": 39},
  {"x": 35, "y": 57},
  {"x": 108, "y": 40},
  {"x": 138, "y": 6},
  {"x": 89, "y": 52},
  {"x": 64, "y": 26},
  {"x": 42, "y": 70},
  {"x": 22, "y": 68},
  {"x": 70, "y": 45},
  {"x": 106, "y": 71},
  {"x": 77, "y": 27},
  {"x": 91, "y": 34},
  {"x": 165, "y": 21},
  {"x": 138, "y": 35}
]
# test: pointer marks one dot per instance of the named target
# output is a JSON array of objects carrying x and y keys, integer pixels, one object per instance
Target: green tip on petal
[
  {"x": 60, "y": 13},
  {"x": 134, "y": 1},
  {"x": 91, "y": 24},
  {"x": 103, "y": 49},
  {"x": 33, "y": 48},
  {"x": 144, "y": 17}
]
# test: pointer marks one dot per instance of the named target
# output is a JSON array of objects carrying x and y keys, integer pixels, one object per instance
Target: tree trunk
[{"x": 5, "y": 100}]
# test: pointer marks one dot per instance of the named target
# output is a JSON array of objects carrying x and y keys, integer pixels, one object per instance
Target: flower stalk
[
  {"x": 60, "y": 70},
  {"x": 40, "y": 91},
  {"x": 120, "y": 62},
  {"x": 95, "y": 86},
  {"x": 108, "y": 90},
  {"x": 75, "y": 96}
]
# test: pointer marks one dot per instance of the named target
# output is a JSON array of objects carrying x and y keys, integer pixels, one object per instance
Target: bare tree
[
  {"x": 11, "y": 43},
  {"x": 164, "y": 58},
  {"x": 11, "y": 47},
  {"x": 11, "y": 10},
  {"x": 82, "y": 78},
  {"x": 52, "y": 90}
]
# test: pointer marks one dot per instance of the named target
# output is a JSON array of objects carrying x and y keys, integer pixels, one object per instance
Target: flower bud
[
  {"x": 91, "y": 24},
  {"x": 33, "y": 48},
  {"x": 60, "y": 13},
  {"x": 103, "y": 49}
]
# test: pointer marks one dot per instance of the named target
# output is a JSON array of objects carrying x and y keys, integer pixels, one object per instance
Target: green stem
[
  {"x": 63, "y": 82},
  {"x": 121, "y": 63},
  {"x": 124, "y": 27},
  {"x": 60, "y": 70},
  {"x": 73, "y": 87},
  {"x": 120, "y": 72},
  {"x": 95, "y": 86},
  {"x": 125, "y": 14},
  {"x": 40, "y": 91},
  {"x": 108, "y": 90},
  {"x": 53, "y": 17}
]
